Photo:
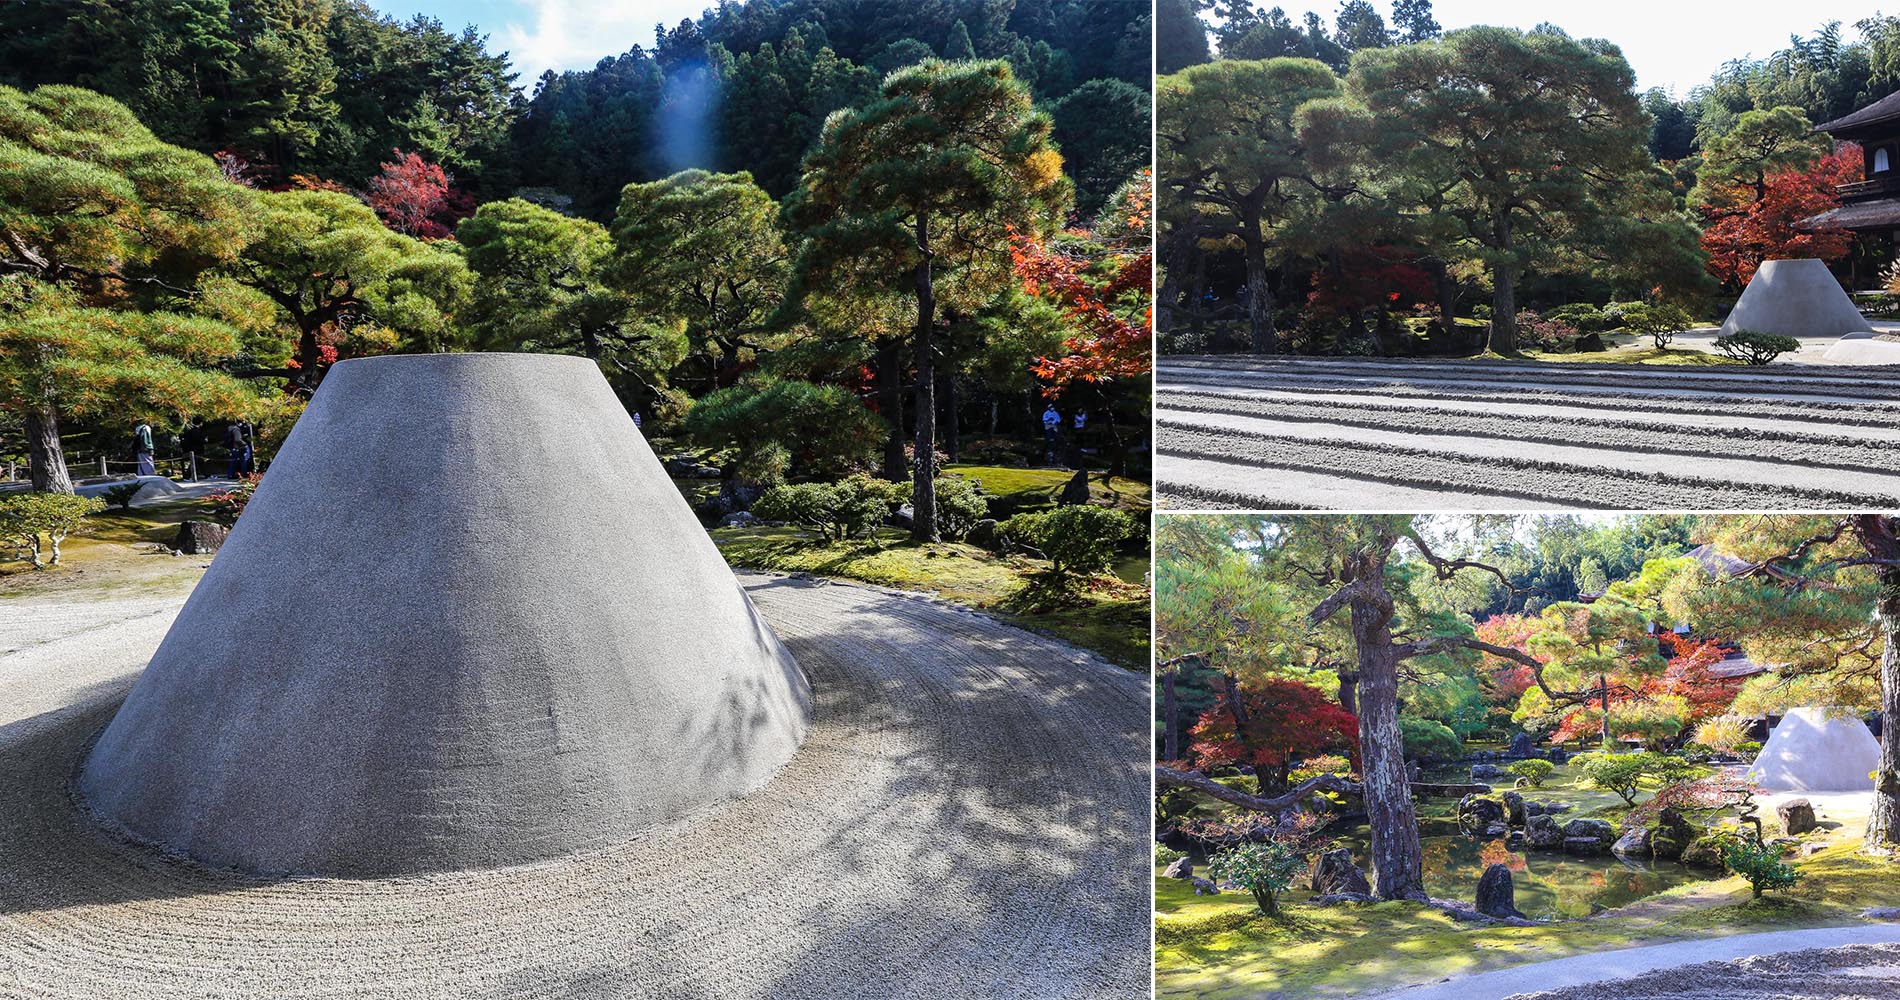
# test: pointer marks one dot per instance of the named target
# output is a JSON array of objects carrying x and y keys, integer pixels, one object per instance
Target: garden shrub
[
  {"x": 1165, "y": 855},
  {"x": 121, "y": 496},
  {"x": 228, "y": 505},
  {"x": 1659, "y": 321},
  {"x": 1615, "y": 313},
  {"x": 824, "y": 428},
  {"x": 1425, "y": 738},
  {"x": 1532, "y": 772},
  {"x": 1078, "y": 540},
  {"x": 1723, "y": 734},
  {"x": 847, "y": 509},
  {"x": 1481, "y": 311},
  {"x": 1544, "y": 333},
  {"x": 26, "y": 516},
  {"x": 1760, "y": 864},
  {"x": 960, "y": 504},
  {"x": 1755, "y": 347},
  {"x": 1582, "y": 315},
  {"x": 1313, "y": 767},
  {"x": 1628, "y": 773},
  {"x": 1264, "y": 868}
]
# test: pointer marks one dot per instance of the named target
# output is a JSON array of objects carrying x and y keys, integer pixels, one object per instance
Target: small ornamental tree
[
  {"x": 1078, "y": 540},
  {"x": 1264, "y": 868},
  {"x": 840, "y": 511},
  {"x": 1760, "y": 864},
  {"x": 1626, "y": 774},
  {"x": 1767, "y": 223},
  {"x": 27, "y": 516},
  {"x": 1755, "y": 347},
  {"x": 1275, "y": 722},
  {"x": 1659, "y": 321},
  {"x": 960, "y": 504},
  {"x": 1532, "y": 772},
  {"x": 409, "y": 193},
  {"x": 825, "y": 428}
]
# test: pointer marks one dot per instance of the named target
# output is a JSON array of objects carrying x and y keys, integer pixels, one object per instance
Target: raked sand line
[
  {"x": 1878, "y": 486},
  {"x": 1759, "y": 420},
  {"x": 1201, "y": 484},
  {"x": 1871, "y": 377},
  {"x": 955, "y": 826}
]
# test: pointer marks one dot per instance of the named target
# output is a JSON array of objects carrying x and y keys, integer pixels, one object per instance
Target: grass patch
[
  {"x": 1643, "y": 356},
  {"x": 1022, "y": 489},
  {"x": 104, "y": 556},
  {"x": 1110, "y": 617}
]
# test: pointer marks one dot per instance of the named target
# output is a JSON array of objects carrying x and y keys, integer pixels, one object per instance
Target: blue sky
[{"x": 1671, "y": 44}]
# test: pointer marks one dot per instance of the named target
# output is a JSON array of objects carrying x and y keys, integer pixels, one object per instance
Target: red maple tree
[
  {"x": 410, "y": 195},
  {"x": 1688, "y": 677},
  {"x": 1743, "y": 230},
  {"x": 1286, "y": 720},
  {"x": 1093, "y": 294}
]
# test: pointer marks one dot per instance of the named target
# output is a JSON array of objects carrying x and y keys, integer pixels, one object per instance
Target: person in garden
[
  {"x": 192, "y": 440},
  {"x": 240, "y": 448},
  {"x": 1051, "y": 430},
  {"x": 142, "y": 445}
]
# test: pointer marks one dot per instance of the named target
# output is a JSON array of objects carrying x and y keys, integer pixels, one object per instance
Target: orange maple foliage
[
  {"x": 1743, "y": 231},
  {"x": 1107, "y": 345}
]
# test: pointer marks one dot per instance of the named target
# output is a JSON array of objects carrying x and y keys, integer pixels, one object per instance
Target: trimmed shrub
[
  {"x": 27, "y": 516},
  {"x": 1723, "y": 734},
  {"x": 1078, "y": 540},
  {"x": 960, "y": 504},
  {"x": 1531, "y": 772},
  {"x": 1264, "y": 868},
  {"x": 840, "y": 511},
  {"x": 1425, "y": 738},
  {"x": 1660, "y": 321},
  {"x": 1755, "y": 347},
  {"x": 1760, "y": 864},
  {"x": 824, "y": 428},
  {"x": 1582, "y": 315},
  {"x": 121, "y": 496}
]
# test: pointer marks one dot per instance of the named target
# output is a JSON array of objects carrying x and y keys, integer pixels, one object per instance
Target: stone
[
  {"x": 1180, "y": 868},
  {"x": 1797, "y": 817},
  {"x": 982, "y": 533},
  {"x": 1515, "y": 841},
  {"x": 1514, "y": 808},
  {"x": 1334, "y": 872},
  {"x": 903, "y": 516},
  {"x": 684, "y": 467},
  {"x": 1672, "y": 834},
  {"x": 738, "y": 519},
  {"x": 1583, "y": 846},
  {"x": 1881, "y": 913},
  {"x": 1203, "y": 887},
  {"x": 1558, "y": 756},
  {"x": 200, "y": 537},
  {"x": 1497, "y": 894},
  {"x": 1589, "y": 343},
  {"x": 1634, "y": 843},
  {"x": 1488, "y": 772},
  {"x": 1543, "y": 834},
  {"x": 1478, "y": 811},
  {"x": 1553, "y": 808},
  {"x": 1522, "y": 745},
  {"x": 1497, "y": 830},
  {"x": 1704, "y": 852},
  {"x": 1594, "y": 829},
  {"x": 1076, "y": 491},
  {"x": 480, "y": 688}
]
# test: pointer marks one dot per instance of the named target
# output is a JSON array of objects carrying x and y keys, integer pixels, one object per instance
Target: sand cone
[
  {"x": 466, "y": 621},
  {"x": 1795, "y": 298},
  {"x": 1811, "y": 752}
]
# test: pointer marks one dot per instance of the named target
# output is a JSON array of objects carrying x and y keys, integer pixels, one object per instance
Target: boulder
[
  {"x": 200, "y": 537},
  {"x": 1180, "y": 868},
  {"x": 1522, "y": 746},
  {"x": 1633, "y": 844},
  {"x": 1672, "y": 834},
  {"x": 738, "y": 519},
  {"x": 1478, "y": 812},
  {"x": 983, "y": 533},
  {"x": 1488, "y": 772},
  {"x": 1558, "y": 756},
  {"x": 1592, "y": 829},
  {"x": 1553, "y": 808},
  {"x": 1543, "y": 834},
  {"x": 903, "y": 516},
  {"x": 1515, "y": 841},
  {"x": 1797, "y": 817},
  {"x": 1590, "y": 343},
  {"x": 1497, "y": 830},
  {"x": 1704, "y": 852},
  {"x": 1076, "y": 490},
  {"x": 1514, "y": 809},
  {"x": 1583, "y": 846},
  {"x": 1203, "y": 887},
  {"x": 1497, "y": 894},
  {"x": 683, "y": 467},
  {"x": 1334, "y": 873}
]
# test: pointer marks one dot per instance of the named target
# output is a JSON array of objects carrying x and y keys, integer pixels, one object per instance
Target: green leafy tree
[
  {"x": 280, "y": 94},
  {"x": 541, "y": 286},
  {"x": 25, "y": 517},
  {"x": 1531, "y": 143},
  {"x": 1263, "y": 868},
  {"x": 1078, "y": 540},
  {"x": 90, "y": 198},
  {"x": 1426, "y": 738},
  {"x": 1103, "y": 129},
  {"x": 825, "y": 429},
  {"x": 1761, "y": 865},
  {"x": 1759, "y": 145},
  {"x": 703, "y": 248},
  {"x": 1533, "y": 772},
  {"x": 1599, "y": 653},
  {"x": 1226, "y": 139},
  {"x": 841, "y": 511},
  {"x": 1180, "y": 36},
  {"x": 918, "y": 191}
]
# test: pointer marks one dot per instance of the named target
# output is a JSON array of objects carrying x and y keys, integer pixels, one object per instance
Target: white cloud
[{"x": 576, "y": 34}]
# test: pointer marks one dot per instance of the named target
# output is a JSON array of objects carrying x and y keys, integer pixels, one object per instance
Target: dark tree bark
[
  {"x": 890, "y": 399},
  {"x": 952, "y": 443},
  {"x": 1877, "y": 536},
  {"x": 1170, "y": 714},
  {"x": 1504, "y": 293},
  {"x": 923, "y": 526},
  {"x": 1265, "y": 339},
  {"x": 45, "y": 458}
]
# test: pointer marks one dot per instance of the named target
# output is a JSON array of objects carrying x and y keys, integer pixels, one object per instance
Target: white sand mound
[
  {"x": 1863, "y": 347},
  {"x": 1809, "y": 751},
  {"x": 1795, "y": 298}
]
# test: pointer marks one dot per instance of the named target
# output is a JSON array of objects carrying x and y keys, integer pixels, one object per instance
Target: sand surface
[
  {"x": 1371, "y": 434},
  {"x": 957, "y": 826}
]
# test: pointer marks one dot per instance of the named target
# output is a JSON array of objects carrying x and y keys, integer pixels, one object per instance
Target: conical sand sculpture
[
  {"x": 1795, "y": 298},
  {"x": 466, "y": 621},
  {"x": 1811, "y": 752}
]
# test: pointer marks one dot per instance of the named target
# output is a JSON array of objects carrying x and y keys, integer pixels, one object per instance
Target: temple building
[{"x": 1870, "y": 208}]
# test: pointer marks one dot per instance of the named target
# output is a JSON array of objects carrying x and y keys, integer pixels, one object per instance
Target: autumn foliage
[
  {"x": 1094, "y": 295},
  {"x": 1286, "y": 720},
  {"x": 1746, "y": 227},
  {"x": 1688, "y": 677},
  {"x": 410, "y": 194}
]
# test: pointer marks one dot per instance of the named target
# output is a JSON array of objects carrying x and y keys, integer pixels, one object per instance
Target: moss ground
[
  {"x": 1110, "y": 617},
  {"x": 1223, "y": 947},
  {"x": 1028, "y": 489},
  {"x": 106, "y": 557}
]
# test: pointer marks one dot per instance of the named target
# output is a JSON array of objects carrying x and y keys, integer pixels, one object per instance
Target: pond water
[{"x": 1548, "y": 885}]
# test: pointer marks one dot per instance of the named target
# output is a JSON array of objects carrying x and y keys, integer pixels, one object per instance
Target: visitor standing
[
  {"x": 1075, "y": 438},
  {"x": 250, "y": 447},
  {"x": 142, "y": 445},
  {"x": 1051, "y": 430},
  {"x": 192, "y": 441},
  {"x": 239, "y": 447}
]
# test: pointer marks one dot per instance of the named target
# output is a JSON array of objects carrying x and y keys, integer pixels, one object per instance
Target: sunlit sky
[{"x": 1671, "y": 45}]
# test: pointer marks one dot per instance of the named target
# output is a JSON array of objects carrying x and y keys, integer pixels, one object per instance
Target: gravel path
[
  {"x": 956, "y": 826},
  {"x": 1837, "y": 963},
  {"x": 1369, "y": 434}
]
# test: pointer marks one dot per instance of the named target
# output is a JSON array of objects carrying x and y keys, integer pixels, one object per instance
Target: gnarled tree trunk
[
  {"x": 1883, "y": 826},
  {"x": 46, "y": 459},
  {"x": 890, "y": 399},
  {"x": 1397, "y": 857},
  {"x": 1503, "y": 293}
]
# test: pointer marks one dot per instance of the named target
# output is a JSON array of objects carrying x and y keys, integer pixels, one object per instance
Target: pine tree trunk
[
  {"x": 1170, "y": 715},
  {"x": 1447, "y": 290},
  {"x": 1504, "y": 295},
  {"x": 890, "y": 399},
  {"x": 1883, "y": 826},
  {"x": 45, "y": 458},
  {"x": 1397, "y": 857},
  {"x": 1259, "y": 299},
  {"x": 923, "y": 525}
]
